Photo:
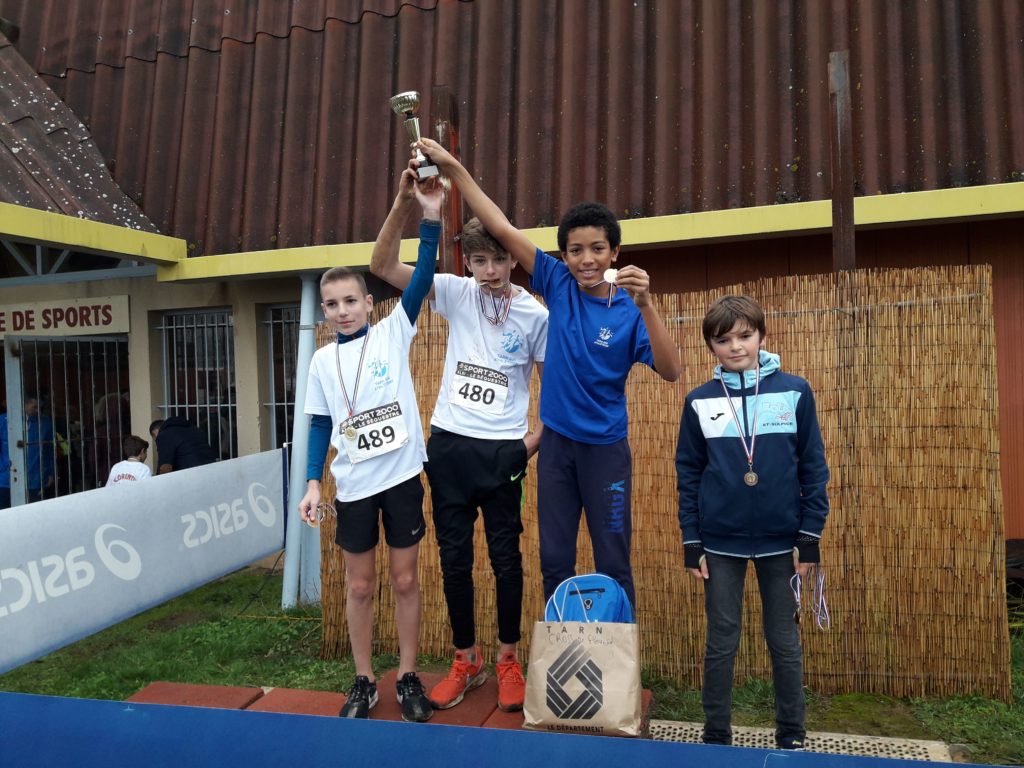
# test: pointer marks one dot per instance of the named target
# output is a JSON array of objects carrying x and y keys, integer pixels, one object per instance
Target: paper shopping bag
[{"x": 584, "y": 678}]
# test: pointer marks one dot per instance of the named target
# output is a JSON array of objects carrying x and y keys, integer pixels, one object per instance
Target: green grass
[
  {"x": 233, "y": 632},
  {"x": 229, "y": 632}
]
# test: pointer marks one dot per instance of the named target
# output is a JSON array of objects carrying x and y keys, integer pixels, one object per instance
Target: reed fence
[{"x": 903, "y": 367}]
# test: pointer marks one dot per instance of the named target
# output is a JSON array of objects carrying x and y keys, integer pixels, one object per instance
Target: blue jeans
[{"x": 723, "y": 601}]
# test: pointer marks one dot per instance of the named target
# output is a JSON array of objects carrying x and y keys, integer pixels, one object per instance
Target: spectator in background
[
  {"x": 180, "y": 445},
  {"x": 133, "y": 467},
  {"x": 39, "y": 449},
  {"x": 39, "y": 452},
  {"x": 5, "y": 465}
]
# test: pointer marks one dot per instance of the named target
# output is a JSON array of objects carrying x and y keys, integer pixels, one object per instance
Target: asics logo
[{"x": 516, "y": 476}]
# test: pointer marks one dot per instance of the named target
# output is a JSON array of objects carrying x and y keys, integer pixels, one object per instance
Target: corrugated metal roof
[
  {"x": 107, "y": 32},
  {"x": 247, "y": 126},
  {"x": 48, "y": 160}
]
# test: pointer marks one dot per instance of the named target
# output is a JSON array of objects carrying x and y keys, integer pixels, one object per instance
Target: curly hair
[{"x": 589, "y": 215}]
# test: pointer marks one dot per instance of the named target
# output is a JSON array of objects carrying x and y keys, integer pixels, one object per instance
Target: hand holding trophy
[{"x": 408, "y": 103}]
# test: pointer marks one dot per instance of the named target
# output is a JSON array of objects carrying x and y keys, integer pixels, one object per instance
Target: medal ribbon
[
  {"x": 819, "y": 608},
  {"x": 501, "y": 306},
  {"x": 611, "y": 288},
  {"x": 749, "y": 452},
  {"x": 351, "y": 404}
]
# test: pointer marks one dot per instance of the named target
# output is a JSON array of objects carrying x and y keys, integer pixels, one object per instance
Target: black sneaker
[
  {"x": 415, "y": 706},
  {"x": 362, "y": 697},
  {"x": 719, "y": 738},
  {"x": 793, "y": 743}
]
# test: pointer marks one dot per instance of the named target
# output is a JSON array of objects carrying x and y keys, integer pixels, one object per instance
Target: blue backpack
[{"x": 590, "y": 597}]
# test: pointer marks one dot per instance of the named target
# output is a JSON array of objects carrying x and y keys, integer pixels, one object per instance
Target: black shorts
[{"x": 400, "y": 508}]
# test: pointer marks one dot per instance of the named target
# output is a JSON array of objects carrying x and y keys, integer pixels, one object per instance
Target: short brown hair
[
  {"x": 133, "y": 446},
  {"x": 727, "y": 311},
  {"x": 475, "y": 238},
  {"x": 334, "y": 274}
]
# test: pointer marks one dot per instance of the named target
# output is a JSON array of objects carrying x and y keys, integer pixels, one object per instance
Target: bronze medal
[{"x": 750, "y": 478}]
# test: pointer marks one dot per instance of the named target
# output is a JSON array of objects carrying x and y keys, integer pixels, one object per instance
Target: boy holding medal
[
  {"x": 479, "y": 444},
  {"x": 602, "y": 321},
  {"x": 361, "y": 400},
  {"x": 752, "y": 486}
]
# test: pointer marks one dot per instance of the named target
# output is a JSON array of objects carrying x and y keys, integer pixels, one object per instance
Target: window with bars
[
  {"x": 75, "y": 404},
  {"x": 282, "y": 342},
  {"x": 199, "y": 374}
]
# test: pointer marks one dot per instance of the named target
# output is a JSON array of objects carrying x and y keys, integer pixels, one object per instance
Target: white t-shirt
[
  {"x": 385, "y": 406},
  {"x": 128, "y": 471},
  {"x": 485, "y": 389}
]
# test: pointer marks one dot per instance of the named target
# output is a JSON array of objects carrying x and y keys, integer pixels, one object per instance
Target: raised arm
[
  {"x": 491, "y": 216},
  {"x": 666, "y": 356},
  {"x": 384, "y": 262},
  {"x": 429, "y": 193}
]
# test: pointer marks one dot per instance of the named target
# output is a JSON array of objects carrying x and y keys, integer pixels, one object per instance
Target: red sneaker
[
  {"x": 511, "y": 684},
  {"x": 462, "y": 677}
]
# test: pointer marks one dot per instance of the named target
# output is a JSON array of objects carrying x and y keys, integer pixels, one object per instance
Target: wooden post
[
  {"x": 446, "y": 133},
  {"x": 846, "y": 459},
  {"x": 844, "y": 249}
]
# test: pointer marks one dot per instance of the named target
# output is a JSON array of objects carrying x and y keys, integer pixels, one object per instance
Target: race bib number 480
[
  {"x": 479, "y": 388},
  {"x": 373, "y": 433}
]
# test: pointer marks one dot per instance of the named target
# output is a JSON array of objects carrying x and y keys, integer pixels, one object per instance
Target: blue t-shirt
[{"x": 591, "y": 349}]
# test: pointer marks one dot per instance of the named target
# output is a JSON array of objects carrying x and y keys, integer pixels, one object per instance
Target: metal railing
[{"x": 199, "y": 374}]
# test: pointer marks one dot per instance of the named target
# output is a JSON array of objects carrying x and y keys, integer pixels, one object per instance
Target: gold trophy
[{"x": 408, "y": 104}]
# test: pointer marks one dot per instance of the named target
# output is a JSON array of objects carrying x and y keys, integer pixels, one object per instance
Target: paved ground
[{"x": 834, "y": 743}]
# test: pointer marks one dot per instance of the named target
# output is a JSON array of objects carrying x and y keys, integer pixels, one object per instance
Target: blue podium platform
[{"x": 52, "y": 731}]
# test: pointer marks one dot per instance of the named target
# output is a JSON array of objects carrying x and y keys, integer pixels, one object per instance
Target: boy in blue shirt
[
  {"x": 601, "y": 323},
  {"x": 752, "y": 486}
]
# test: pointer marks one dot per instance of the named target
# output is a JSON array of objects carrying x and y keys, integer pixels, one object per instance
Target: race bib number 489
[
  {"x": 374, "y": 432},
  {"x": 479, "y": 388}
]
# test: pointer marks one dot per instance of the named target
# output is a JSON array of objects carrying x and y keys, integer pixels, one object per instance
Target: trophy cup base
[{"x": 425, "y": 172}]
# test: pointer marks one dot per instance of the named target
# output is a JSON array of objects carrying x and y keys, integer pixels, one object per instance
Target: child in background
[
  {"x": 752, "y": 486},
  {"x": 134, "y": 466}
]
